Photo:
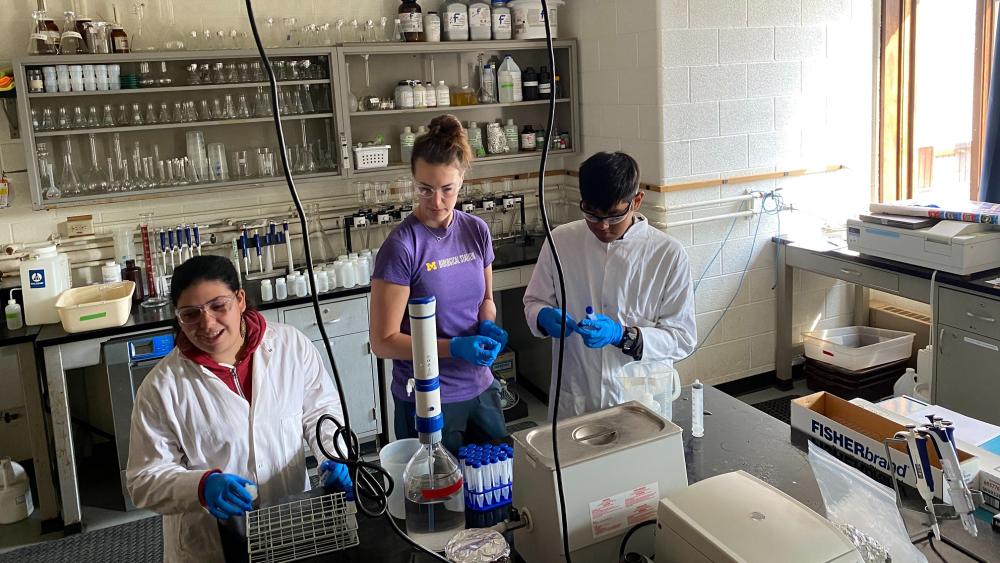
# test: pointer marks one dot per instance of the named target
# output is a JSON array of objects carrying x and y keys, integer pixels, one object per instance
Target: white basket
[
  {"x": 95, "y": 306},
  {"x": 856, "y": 348},
  {"x": 374, "y": 156}
]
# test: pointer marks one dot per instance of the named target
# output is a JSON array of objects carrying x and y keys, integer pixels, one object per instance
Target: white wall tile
[
  {"x": 620, "y": 52},
  {"x": 775, "y": 147},
  {"x": 705, "y": 323},
  {"x": 621, "y": 121},
  {"x": 590, "y": 55},
  {"x": 651, "y": 123},
  {"x": 734, "y": 255},
  {"x": 12, "y": 157},
  {"x": 673, "y": 14},
  {"x": 684, "y": 122},
  {"x": 762, "y": 350},
  {"x": 761, "y": 284},
  {"x": 724, "y": 359},
  {"x": 593, "y": 143},
  {"x": 637, "y": 86},
  {"x": 748, "y": 320},
  {"x": 675, "y": 86},
  {"x": 724, "y": 82},
  {"x": 650, "y": 51},
  {"x": 591, "y": 117},
  {"x": 701, "y": 260},
  {"x": 677, "y": 159},
  {"x": 715, "y": 231},
  {"x": 712, "y": 155},
  {"x": 796, "y": 43},
  {"x": 647, "y": 154},
  {"x": 717, "y": 13},
  {"x": 825, "y": 11},
  {"x": 774, "y": 12},
  {"x": 599, "y": 87},
  {"x": 683, "y": 234},
  {"x": 686, "y": 47},
  {"x": 799, "y": 112},
  {"x": 839, "y": 301},
  {"x": 601, "y": 21},
  {"x": 746, "y": 116},
  {"x": 747, "y": 45},
  {"x": 809, "y": 307},
  {"x": 772, "y": 79},
  {"x": 636, "y": 15},
  {"x": 716, "y": 292}
]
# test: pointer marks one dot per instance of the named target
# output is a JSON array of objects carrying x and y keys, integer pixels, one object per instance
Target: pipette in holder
[
  {"x": 197, "y": 239},
  {"x": 942, "y": 434},
  {"x": 188, "y": 242},
  {"x": 163, "y": 250},
  {"x": 271, "y": 242},
  {"x": 916, "y": 445},
  {"x": 256, "y": 245},
  {"x": 170, "y": 238},
  {"x": 288, "y": 247},
  {"x": 179, "y": 240},
  {"x": 235, "y": 256},
  {"x": 268, "y": 252},
  {"x": 245, "y": 247}
]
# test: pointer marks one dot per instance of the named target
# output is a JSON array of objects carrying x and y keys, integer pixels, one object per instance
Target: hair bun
[{"x": 447, "y": 126}]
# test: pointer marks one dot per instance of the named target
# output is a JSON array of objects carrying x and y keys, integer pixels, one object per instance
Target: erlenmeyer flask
[
  {"x": 79, "y": 121},
  {"x": 123, "y": 117},
  {"x": 178, "y": 115},
  {"x": 306, "y": 99},
  {"x": 242, "y": 107},
  {"x": 95, "y": 178},
  {"x": 136, "y": 115},
  {"x": 93, "y": 120},
  {"x": 320, "y": 245},
  {"x": 109, "y": 117},
  {"x": 68, "y": 181},
  {"x": 150, "y": 118},
  {"x": 164, "y": 116},
  {"x": 48, "y": 121}
]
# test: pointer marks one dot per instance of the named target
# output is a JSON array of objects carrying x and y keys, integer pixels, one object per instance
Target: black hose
[
  {"x": 564, "y": 527},
  {"x": 628, "y": 535},
  {"x": 365, "y": 476}
]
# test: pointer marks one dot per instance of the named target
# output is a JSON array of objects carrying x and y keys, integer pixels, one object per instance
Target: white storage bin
[
  {"x": 375, "y": 156},
  {"x": 858, "y": 347},
  {"x": 95, "y": 306}
]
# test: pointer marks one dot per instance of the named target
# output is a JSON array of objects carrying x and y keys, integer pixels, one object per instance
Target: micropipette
[
  {"x": 268, "y": 252},
  {"x": 916, "y": 445},
  {"x": 188, "y": 244},
  {"x": 288, "y": 248},
  {"x": 197, "y": 239},
  {"x": 942, "y": 433},
  {"x": 179, "y": 240},
  {"x": 272, "y": 240},
  {"x": 163, "y": 249},
  {"x": 170, "y": 237},
  {"x": 235, "y": 257},
  {"x": 245, "y": 243},
  {"x": 256, "y": 245}
]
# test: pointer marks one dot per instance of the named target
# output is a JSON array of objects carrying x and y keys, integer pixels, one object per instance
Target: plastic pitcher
[
  {"x": 394, "y": 457},
  {"x": 655, "y": 384}
]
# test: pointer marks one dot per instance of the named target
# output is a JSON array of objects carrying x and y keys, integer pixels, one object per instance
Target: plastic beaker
[
  {"x": 394, "y": 457},
  {"x": 654, "y": 383}
]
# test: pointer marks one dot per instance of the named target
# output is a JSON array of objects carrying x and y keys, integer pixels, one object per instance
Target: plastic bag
[{"x": 852, "y": 498}]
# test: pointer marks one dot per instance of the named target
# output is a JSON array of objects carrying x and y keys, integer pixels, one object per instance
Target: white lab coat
[
  {"x": 187, "y": 421},
  {"x": 642, "y": 279}
]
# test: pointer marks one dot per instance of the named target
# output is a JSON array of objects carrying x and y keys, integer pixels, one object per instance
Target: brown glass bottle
[
  {"x": 411, "y": 20},
  {"x": 119, "y": 39}
]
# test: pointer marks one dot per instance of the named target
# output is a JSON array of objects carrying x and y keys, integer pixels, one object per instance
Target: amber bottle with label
[{"x": 411, "y": 20}]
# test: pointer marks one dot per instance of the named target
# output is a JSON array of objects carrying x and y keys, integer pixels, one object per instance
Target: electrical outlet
[
  {"x": 489, "y": 205},
  {"x": 468, "y": 207},
  {"x": 509, "y": 203}
]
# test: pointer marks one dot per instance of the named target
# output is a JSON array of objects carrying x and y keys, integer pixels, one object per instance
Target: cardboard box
[
  {"x": 989, "y": 482},
  {"x": 505, "y": 366},
  {"x": 77, "y": 226},
  {"x": 855, "y": 435}
]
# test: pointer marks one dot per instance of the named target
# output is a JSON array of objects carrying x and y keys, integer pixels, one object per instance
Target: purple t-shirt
[{"x": 448, "y": 264}]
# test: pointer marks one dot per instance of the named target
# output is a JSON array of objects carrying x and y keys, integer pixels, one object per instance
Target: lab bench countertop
[
  {"x": 837, "y": 248},
  {"x": 142, "y": 319}
]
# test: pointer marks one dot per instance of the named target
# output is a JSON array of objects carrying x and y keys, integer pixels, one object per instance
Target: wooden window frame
[{"x": 895, "y": 162}]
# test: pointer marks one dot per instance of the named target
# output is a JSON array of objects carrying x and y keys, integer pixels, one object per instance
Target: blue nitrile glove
[
  {"x": 492, "y": 330},
  {"x": 479, "y": 350},
  {"x": 226, "y": 495},
  {"x": 335, "y": 475},
  {"x": 600, "y": 331},
  {"x": 550, "y": 321}
]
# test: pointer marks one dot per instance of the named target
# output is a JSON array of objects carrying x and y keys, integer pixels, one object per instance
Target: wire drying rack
[{"x": 301, "y": 529}]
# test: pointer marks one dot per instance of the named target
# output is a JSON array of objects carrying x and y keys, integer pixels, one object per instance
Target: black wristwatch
[{"x": 631, "y": 344}]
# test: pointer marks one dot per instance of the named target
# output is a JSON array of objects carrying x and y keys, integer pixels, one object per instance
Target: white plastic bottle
[
  {"x": 419, "y": 95},
  {"x": 12, "y": 313},
  {"x": 502, "y": 24},
  {"x": 432, "y": 27},
  {"x": 509, "y": 81},
  {"x": 455, "y": 20},
  {"x": 43, "y": 277},
  {"x": 406, "y": 141},
  {"x": 443, "y": 94},
  {"x": 480, "y": 22},
  {"x": 281, "y": 288},
  {"x": 513, "y": 135},
  {"x": 111, "y": 272},
  {"x": 266, "y": 291},
  {"x": 430, "y": 95}
]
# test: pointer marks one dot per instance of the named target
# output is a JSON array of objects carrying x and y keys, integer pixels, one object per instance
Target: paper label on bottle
[
  {"x": 457, "y": 21},
  {"x": 36, "y": 279},
  {"x": 479, "y": 16},
  {"x": 527, "y": 141},
  {"x": 411, "y": 22},
  {"x": 614, "y": 515},
  {"x": 502, "y": 25},
  {"x": 121, "y": 44}
]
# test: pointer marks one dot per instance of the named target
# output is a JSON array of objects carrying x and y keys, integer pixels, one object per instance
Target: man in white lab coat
[{"x": 635, "y": 277}]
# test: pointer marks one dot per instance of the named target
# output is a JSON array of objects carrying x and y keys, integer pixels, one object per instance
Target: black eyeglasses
[
  {"x": 609, "y": 219},
  {"x": 217, "y": 307}
]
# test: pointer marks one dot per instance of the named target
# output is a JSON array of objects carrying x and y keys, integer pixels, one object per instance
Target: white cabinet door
[{"x": 357, "y": 371}]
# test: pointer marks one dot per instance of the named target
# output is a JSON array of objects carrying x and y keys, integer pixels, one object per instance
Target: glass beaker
[
  {"x": 654, "y": 383},
  {"x": 435, "y": 499}
]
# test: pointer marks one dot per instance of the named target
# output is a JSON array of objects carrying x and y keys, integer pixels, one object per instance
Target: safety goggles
[
  {"x": 609, "y": 219},
  {"x": 217, "y": 307},
  {"x": 425, "y": 192}
]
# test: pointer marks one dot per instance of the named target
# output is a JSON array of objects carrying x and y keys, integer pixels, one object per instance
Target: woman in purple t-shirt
[{"x": 442, "y": 252}]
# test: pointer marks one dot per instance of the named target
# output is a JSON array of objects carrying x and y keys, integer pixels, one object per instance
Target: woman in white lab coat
[
  {"x": 227, "y": 408},
  {"x": 635, "y": 277}
]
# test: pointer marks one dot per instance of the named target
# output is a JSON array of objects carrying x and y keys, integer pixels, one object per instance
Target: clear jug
[{"x": 654, "y": 383}]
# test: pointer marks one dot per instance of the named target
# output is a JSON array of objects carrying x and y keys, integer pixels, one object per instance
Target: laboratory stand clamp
[{"x": 917, "y": 441}]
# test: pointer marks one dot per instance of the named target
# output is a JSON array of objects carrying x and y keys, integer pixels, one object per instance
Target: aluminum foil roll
[
  {"x": 872, "y": 550},
  {"x": 478, "y": 545},
  {"x": 496, "y": 140}
]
